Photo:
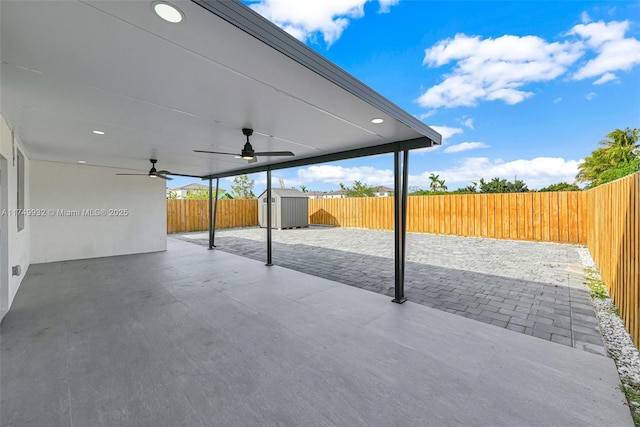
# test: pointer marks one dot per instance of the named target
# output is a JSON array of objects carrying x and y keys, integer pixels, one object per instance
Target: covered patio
[
  {"x": 197, "y": 337},
  {"x": 107, "y": 321}
]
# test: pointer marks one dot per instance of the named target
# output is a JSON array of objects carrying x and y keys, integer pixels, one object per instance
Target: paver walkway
[{"x": 529, "y": 287}]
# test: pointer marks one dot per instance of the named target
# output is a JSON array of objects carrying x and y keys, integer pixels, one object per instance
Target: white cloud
[
  {"x": 465, "y": 146},
  {"x": 590, "y": 96},
  {"x": 493, "y": 69},
  {"x": 606, "y": 77},
  {"x": 536, "y": 173},
  {"x": 501, "y": 69},
  {"x": 305, "y": 19},
  {"x": 426, "y": 115},
  {"x": 557, "y": 100},
  {"x": 385, "y": 5},
  {"x": 596, "y": 34},
  {"x": 614, "y": 51},
  {"x": 346, "y": 175},
  {"x": 585, "y": 18},
  {"x": 446, "y": 131},
  {"x": 468, "y": 122}
]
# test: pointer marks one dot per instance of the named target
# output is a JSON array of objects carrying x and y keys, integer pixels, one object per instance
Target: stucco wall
[
  {"x": 90, "y": 212},
  {"x": 14, "y": 244}
]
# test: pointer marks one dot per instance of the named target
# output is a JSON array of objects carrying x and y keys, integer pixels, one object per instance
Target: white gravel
[{"x": 618, "y": 342}]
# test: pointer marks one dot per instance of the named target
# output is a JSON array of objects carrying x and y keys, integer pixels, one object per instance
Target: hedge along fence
[
  {"x": 193, "y": 215},
  {"x": 551, "y": 217},
  {"x": 614, "y": 243}
]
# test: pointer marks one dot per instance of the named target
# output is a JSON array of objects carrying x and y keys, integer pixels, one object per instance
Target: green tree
[
  {"x": 618, "y": 156},
  {"x": 497, "y": 185},
  {"x": 242, "y": 187},
  {"x": 621, "y": 170},
  {"x": 517, "y": 186},
  {"x": 198, "y": 194},
  {"x": 622, "y": 145},
  {"x": 473, "y": 188},
  {"x": 561, "y": 186},
  {"x": 201, "y": 194},
  {"x": 434, "y": 182},
  {"x": 469, "y": 189},
  {"x": 303, "y": 188},
  {"x": 359, "y": 189}
]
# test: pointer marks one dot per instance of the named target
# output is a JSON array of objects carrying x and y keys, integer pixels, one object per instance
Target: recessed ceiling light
[
  {"x": 98, "y": 132},
  {"x": 168, "y": 12},
  {"x": 377, "y": 121},
  {"x": 82, "y": 161}
]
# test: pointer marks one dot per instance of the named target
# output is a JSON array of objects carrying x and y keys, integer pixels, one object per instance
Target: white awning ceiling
[{"x": 161, "y": 90}]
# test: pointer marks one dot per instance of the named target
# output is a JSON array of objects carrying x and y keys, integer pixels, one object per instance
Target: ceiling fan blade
[
  {"x": 215, "y": 152},
  {"x": 274, "y": 153},
  {"x": 255, "y": 159},
  {"x": 152, "y": 173}
]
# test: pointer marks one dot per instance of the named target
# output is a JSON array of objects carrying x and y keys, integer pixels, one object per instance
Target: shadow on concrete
[{"x": 556, "y": 313}]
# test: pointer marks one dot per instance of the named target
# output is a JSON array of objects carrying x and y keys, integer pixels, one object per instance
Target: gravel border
[{"x": 618, "y": 342}]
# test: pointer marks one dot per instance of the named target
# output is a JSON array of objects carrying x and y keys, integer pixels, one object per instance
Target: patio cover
[{"x": 161, "y": 90}]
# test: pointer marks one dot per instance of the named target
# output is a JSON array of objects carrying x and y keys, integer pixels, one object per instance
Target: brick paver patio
[{"x": 534, "y": 288}]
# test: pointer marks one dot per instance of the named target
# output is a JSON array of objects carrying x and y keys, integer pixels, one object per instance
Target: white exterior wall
[
  {"x": 17, "y": 243},
  {"x": 82, "y": 203}
]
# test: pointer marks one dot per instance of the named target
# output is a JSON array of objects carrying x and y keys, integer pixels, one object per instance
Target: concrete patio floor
[
  {"x": 536, "y": 288},
  {"x": 193, "y": 337}
]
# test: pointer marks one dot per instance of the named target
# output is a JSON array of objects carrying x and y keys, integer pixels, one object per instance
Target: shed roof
[{"x": 285, "y": 192}]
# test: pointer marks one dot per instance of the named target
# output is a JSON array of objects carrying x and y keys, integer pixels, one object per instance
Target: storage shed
[{"x": 289, "y": 208}]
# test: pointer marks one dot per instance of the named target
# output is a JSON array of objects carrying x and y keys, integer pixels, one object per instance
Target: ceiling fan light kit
[{"x": 153, "y": 173}]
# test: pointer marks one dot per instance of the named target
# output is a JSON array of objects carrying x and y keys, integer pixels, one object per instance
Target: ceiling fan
[
  {"x": 247, "y": 152},
  {"x": 153, "y": 173}
]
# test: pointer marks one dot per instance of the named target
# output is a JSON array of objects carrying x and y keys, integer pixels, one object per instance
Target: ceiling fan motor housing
[
  {"x": 153, "y": 171},
  {"x": 247, "y": 151}
]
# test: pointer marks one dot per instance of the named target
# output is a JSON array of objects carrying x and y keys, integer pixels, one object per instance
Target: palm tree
[
  {"x": 622, "y": 145},
  {"x": 441, "y": 185},
  {"x": 593, "y": 166},
  {"x": 616, "y": 157},
  {"x": 434, "y": 182}
]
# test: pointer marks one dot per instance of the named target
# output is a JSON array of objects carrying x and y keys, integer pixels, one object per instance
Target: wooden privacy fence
[
  {"x": 614, "y": 243},
  {"x": 550, "y": 217},
  {"x": 193, "y": 215}
]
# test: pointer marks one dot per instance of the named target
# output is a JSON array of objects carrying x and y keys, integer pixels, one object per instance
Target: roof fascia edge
[
  {"x": 409, "y": 144},
  {"x": 244, "y": 18}
]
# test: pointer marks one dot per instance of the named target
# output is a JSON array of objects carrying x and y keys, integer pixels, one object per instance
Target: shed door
[{"x": 274, "y": 212}]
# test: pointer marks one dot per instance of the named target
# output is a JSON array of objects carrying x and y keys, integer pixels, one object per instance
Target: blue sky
[{"x": 517, "y": 89}]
